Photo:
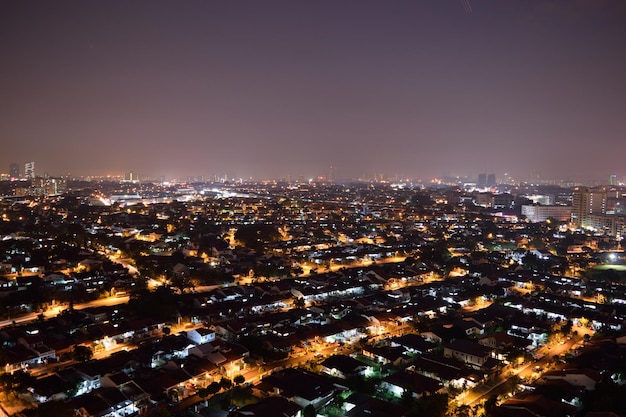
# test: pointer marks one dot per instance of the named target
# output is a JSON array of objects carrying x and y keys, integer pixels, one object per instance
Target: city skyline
[
  {"x": 411, "y": 90},
  {"x": 482, "y": 180}
]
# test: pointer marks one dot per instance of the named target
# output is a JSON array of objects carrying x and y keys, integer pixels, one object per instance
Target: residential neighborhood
[{"x": 312, "y": 298}]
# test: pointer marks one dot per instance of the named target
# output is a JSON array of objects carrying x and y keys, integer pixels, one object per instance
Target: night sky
[{"x": 262, "y": 89}]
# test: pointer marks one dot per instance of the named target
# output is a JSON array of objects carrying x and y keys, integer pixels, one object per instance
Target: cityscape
[
  {"x": 127, "y": 297},
  {"x": 313, "y": 209}
]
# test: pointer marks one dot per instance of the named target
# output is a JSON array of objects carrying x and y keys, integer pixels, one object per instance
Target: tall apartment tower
[
  {"x": 14, "y": 171},
  {"x": 587, "y": 202},
  {"x": 482, "y": 180},
  {"x": 29, "y": 170},
  {"x": 131, "y": 177},
  {"x": 491, "y": 180}
]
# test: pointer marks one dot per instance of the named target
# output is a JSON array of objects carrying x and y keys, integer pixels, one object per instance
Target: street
[
  {"x": 527, "y": 371},
  {"x": 55, "y": 310}
]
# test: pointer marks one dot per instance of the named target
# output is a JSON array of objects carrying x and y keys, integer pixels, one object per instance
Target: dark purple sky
[{"x": 416, "y": 88}]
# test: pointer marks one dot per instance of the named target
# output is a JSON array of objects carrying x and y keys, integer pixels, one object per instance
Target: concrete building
[
  {"x": 482, "y": 181},
  {"x": 587, "y": 202},
  {"x": 536, "y": 214},
  {"x": 43, "y": 186},
  {"x": 29, "y": 170},
  {"x": 14, "y": 171}
]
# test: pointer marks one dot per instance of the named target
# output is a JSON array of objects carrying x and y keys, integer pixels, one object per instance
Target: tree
[
  {"x": 213, "y": 388},
  {"x": 226, "y": 383},
  {"x": 181, "y": 282},
  {"x": 435, "y": 405},
  {"x": 298, "y": 302},
  {"x": 309, "y": 411},
  {"x": 82, "y": 353},
  {"x": 51, "y": 408},
  {"x": 203, "y": 393},
  {"x": 161, "y": 304},
  {"x": 254, "y": 235},
  {"x": 160, "y": 412},
  {"x": 462, "y": 410},
  {"x": 16, "y": 383},
  {"x": 491, "y": 403},
  {"x": 567, "y": 327},
  {"x": 239, "y": 379}
]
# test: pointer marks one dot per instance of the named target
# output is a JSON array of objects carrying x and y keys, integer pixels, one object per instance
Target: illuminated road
[
  {"x": 54, "y": 311},
  {"x": 526, "y": 371},
  {"x": 255, "y": 373},
  {"x": 125, "y": 263}
]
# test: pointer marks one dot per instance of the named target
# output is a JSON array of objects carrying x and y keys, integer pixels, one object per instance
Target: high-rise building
[
  {"x": 587, "y": 203},
  {"x": 29, "y": 170},
  {"x": 46, "y": 186},
  {"x": 482, "y": 181},
  {"x": 14, "y": 171},
  {"x": 613, "y": 179},
  {"x": 131, "y": 177},
  {"x": 536, "y": 214},
  {"x": 486, "y": 180}
]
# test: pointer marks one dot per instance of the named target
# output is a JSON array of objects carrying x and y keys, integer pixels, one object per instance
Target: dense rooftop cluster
[{"x": 282, "y": 299}]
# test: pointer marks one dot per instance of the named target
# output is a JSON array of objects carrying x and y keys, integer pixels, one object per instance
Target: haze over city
[{"x": 412, "y": 89}]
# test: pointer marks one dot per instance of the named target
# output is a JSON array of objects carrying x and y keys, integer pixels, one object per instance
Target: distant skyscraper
[
  {"x": 491, "y": 180},
  {"x": 131, "y": 177},
  {"x": 14, "y": 171},
  {"x": 482, "y": 180},
  {"x": 29, "y": 170},
  {"x": 613, "y": 179}
]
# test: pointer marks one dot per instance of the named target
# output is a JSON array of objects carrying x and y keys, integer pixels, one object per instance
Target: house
[
  {"x": 532, "y": 329},
  {"x": 91, "y": 373},
  {"x": 414, "y": 384},
  {"x": 104, "y": 402},
  {"x": 130, "y": 390},
  {"x": 169, "y": 347},
  {"x": 445, "y": 333},
  {"x": 585, "y": 378},
  {"x": 201, "y": 335},
  {"x": 538, "y": 405},
  {"x": 97, "y": 314},
  {"x": 387, "y": 355},
  {"x": 165, "y": 384},
  {"x": 269, "y": 407},
  {"x": 20, "y": 357},
  {"x": 343, "y": 366},
  {"x": 50, "y": 388},
  {"x": 488, "y": 280},
  {"x": 449, "y": 371},
  {"x": 413, "y": 343},
  {"x": 25, "y": 348},
  {"x": 208, "y": 351},
  {"x": 499, "y": 342},
  {"x": 361, "y": 405},
  {"x": 471, "y": 353},
  {"x": 90, "y": 406},
  {"x": 303, "y": 388},
  {"x": 469, "y": 327}
]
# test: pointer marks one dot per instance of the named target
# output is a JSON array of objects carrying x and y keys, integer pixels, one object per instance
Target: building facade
[
  {"x": 588, "y": 202},
  {"x": 29, "y": 170},
  {"x": 14, "y": 171},
  {"x": 536, "y": 214}
]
